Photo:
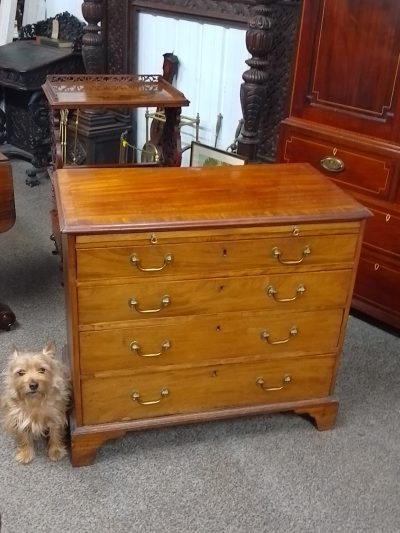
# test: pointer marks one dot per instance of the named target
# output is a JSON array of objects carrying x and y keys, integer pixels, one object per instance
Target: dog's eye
[
  {"x": 42, "y": 370},
  {"x": 21, "y": 372}
]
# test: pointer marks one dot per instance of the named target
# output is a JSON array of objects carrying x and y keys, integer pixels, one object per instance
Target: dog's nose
[{"x": 33, "y": 386}]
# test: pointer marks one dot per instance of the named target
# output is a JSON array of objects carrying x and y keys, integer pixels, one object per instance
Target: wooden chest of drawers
[{"x": 202, "y": 294}]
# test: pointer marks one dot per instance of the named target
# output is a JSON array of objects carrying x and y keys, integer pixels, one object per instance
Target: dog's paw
[
  {"x": 25, "y": 455},
  {"x": 56, "y": 453}
]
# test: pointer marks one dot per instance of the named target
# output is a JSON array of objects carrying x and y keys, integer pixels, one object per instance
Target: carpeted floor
[{"x": 265, "y": 474}]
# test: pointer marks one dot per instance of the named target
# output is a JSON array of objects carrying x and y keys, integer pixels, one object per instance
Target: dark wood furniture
[
  {"x": 344, "y": 119},
  {"x": 23, "y": 69},
  {"x": 7, "y": 220},
  {"x": 198, "y": 294}
]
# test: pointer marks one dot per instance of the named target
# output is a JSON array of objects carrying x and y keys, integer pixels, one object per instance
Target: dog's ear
[
  {"x": 50, "y": 349},
  {"x": 14, "y": 351}
]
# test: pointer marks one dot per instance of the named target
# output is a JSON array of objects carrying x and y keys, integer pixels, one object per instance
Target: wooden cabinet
[
  {"x": 201, "y": 294},
  {"x": 344, "y": 119}
]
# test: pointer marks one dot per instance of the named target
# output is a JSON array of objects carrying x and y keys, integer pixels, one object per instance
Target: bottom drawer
[
  {"x": 377, "y": 289},
  {"x": 205, "y": 388}
]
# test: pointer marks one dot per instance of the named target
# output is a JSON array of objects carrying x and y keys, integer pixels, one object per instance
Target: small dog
[{"x": 34, "y": 402}]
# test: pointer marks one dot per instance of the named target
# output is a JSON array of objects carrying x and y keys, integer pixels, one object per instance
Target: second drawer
[{"x": 176, "y": 298}]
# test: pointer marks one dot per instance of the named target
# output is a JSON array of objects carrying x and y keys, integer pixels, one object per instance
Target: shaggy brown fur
[{"x": 34, "y": 402}]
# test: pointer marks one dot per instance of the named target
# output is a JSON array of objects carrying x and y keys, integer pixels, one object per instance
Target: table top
[
  {"x": 26, "y": 56},
  {"x": 134, "y": 199},
  {"x": 125, "y": 90}
]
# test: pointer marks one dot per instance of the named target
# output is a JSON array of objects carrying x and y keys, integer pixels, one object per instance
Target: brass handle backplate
[
  {"x": 134, "y": 304},
  {"x": 276, "y": 253},
  {"x": 135, "y": 347},
  {"x": 136, "y": 397},
  {"x": 285, "y": 381},
  {"x": 332, "y": 164},
  {"x": 265, "y": 336},
  {"x": 134, "y": 259},
  {"x": 272, "y": 292}
]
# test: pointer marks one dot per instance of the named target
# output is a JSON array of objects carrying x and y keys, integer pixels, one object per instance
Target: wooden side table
[
  {"x": 25, "y": 125},
  {"x": 99, "y": 92}
]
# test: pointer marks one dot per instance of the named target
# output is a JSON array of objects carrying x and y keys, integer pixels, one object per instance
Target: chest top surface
[{"x": 101, "y": 200}]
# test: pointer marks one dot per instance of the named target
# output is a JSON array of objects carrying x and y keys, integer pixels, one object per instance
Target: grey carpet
[{"x": 269, "y": 474}]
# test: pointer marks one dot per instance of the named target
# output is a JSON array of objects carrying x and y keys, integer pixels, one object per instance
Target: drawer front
[
  {"x": 382, "y": 231},
  {"x": 364, "y": 172},
  {"x": 198, "y": 340},
  {"x": 215, "y": 258},
  {"x": 138, "y": 301},
  {"x": 204, "y": 388},
  {"x": 378, "y": 283}
]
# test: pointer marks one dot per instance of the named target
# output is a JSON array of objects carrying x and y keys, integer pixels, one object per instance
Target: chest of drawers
[{"x": 202, "y": 294}]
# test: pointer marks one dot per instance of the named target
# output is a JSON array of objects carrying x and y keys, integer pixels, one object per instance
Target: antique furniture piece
[
  {"x": 65, "y": 93},
  {"x": 7, "y": 220},
  {"x": 110, "y": 46},
  {"x": 25, "y": 124},
  {"x": 94, "y": 92},
  {"x": 198, "y": 294},
  {"x": 344, "y": 119}
]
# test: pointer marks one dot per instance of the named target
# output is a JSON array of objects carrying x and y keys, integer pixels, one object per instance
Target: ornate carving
[
  {"x": 117, "y": 36},
  {"x": 208, "y": 8},
  {"x": 92, "y": 42},
  {"x": 254, "y": 89},
  {"x": 70, "y": 29},
  {"x": 32, "y": 80},
  {"x": 39, "y": 111},
  {"x": 285, "y": 16}
]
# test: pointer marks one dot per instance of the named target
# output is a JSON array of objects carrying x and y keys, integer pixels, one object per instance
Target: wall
[
  {"x": 212, "y": 61},
  {"x": 35, "y": 10},
  {"x": 58, "y": 6}
]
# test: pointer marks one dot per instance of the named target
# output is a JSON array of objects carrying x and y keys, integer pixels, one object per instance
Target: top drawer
[{"x": 224, "y": 258}]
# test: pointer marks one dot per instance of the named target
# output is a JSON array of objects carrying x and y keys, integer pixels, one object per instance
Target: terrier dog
[{"x": 34, "y": 402}]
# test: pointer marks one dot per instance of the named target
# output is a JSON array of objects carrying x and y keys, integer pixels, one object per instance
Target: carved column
[
  {"x": 254, "y": 89},
  {"x": 92, "y": 41}
]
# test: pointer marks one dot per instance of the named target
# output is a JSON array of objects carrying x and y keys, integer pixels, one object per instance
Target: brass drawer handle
[
  {"x": 136, "y": 262},
  {"x": 135, "y": 347},
  {"x": 276, "y": 253},
  {"x": 136, "y": 397},
  {"x": 285, "y": 381},
  {"x": 165, "y": 301},
  {"x": 332, "y": 164},
  {"x": 266, "y": 337},
  {"x": 272, "y": 292}
]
